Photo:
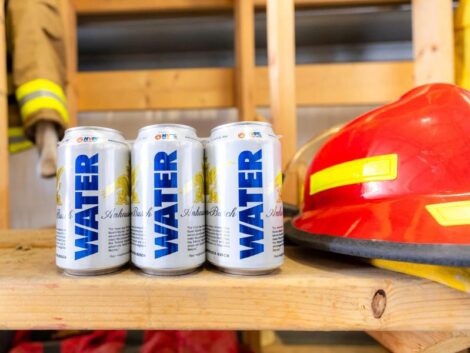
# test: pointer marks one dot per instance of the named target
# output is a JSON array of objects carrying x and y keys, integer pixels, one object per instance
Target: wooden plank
[
  {"x": 4, "y": 176},
  {"x": 281, "y": 59},
  {"x": 245, "y": 59},
  {"x": 90, "y": 7},
  {"x": 324, "y": 3},
  {"x": 131, "y": 6},
  {"x": 156, "y": 89},
  {"x": 70, "y": 23},
  {"x": 423, "y": 342},
  {"x": 324, "y": 348},
  {"x": 310, "y": 292},
  {"x": 344, "y": 83},
  {"x": 352, "y": 83},
  {"x": 322, "y": 84},
  {"x": 433, "y": 41},
  {"x": 26, "y": 240}
]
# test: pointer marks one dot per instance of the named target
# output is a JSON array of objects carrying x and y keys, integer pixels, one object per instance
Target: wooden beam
[
  {"x": 88, "y": 7},
  {"x": 324, "y": 348},
  {"x": 94, "y": 7},
  {"x": 70, "y": 23},
  {"x": 321, "y": 84},
  {"x": 324, "y": 3},
  {"x": 326, "y": 84},
  {"x": 155, "y": 89},
  {"x": 245, "y": 59},
  {"x": 423, "y": 342},
  {"x": 433, "y": 41},
  {"x": 281, "y": 59},
  {"x": 4, "y": 190}
]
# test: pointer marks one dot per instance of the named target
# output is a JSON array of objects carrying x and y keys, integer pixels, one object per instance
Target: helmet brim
[
  {"x": 436, "y": 254},
  {"x": 401, "y": 230}
]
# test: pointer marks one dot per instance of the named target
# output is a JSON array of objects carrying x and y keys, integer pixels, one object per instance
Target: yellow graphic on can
[
  {"x": 120, "y": 187},
  {"x": 134, "y": 195},
  {"x": 196, "y": 186},
  {"x": 58, "y": 185},
  {"x": 278, "y": 184},
  {"x": 198, "y": 183},
  {"x": 211, "y": 182}
]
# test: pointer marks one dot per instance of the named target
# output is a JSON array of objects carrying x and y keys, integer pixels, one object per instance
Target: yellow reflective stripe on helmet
[
  {"x": 43, "y": 102},
  {"x": 39, "y": 84},
  {"x": 454, "y": 277},
  {"x": 377, "y": 168},
  {"x": 450, "y": 213}
]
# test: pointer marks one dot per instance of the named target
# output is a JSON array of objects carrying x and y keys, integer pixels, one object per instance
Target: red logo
[
  {"x": 158, "y": 137},
  {"x": 241, "y": 135}
]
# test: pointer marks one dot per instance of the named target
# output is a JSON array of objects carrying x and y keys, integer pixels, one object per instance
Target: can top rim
[
  {"x": 94, "y": 128},
  {"x": 240, "y": 123},
  {"x": 181, "y": 126}
]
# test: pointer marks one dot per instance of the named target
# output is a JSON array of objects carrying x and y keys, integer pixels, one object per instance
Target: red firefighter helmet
[{"x": 395, "y": 182}]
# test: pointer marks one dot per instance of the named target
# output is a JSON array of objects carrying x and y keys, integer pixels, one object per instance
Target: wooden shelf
[{"x": 310, "y": 292}]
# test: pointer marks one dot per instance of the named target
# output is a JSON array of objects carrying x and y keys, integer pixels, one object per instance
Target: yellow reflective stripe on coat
[
  {"x": 16, "y": 131},
  {"x": 41, "y": 94},
  {"x": 17, "y": 141},
  {"x": 377, "y": 168},
  {"x": 35, "y": 104},
  {"x": 450, "y": 213},
  {"x": 39, "y": 84}
]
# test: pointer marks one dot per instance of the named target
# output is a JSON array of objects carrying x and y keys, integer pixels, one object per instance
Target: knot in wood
[
  {"x": 22, "y": 247},
  {"x": 379, "y": 303}
]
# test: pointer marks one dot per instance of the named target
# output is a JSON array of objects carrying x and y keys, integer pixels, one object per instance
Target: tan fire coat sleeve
[{"x": 38, "y": 61}]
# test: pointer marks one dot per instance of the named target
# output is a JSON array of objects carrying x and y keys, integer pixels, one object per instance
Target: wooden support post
[
  {"x": 245, "y": 59},
  {"x": 423, "y": 342},
  {"x": 4, "y": 193},
  {"x": 281, "y": 58},
  {"x": 70, "y": 23},
  {"x": 252, "y": 339},
  {"x": 433, "y": 41}
]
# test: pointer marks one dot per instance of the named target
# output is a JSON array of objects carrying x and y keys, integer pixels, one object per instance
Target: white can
[
  {"x": 245, "y": 229},
  {"x": 93, "y": 206},
  {"x": 168, "y": 225}
]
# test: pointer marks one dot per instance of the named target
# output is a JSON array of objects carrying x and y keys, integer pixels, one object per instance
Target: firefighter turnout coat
[{"x": 36, "y": 62}]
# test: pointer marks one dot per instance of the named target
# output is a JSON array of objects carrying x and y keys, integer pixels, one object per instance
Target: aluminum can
[
  {"x": 93, "y": 206},
  {"x": 244, "y": 214},
  {"x": 168, "y": 217}
]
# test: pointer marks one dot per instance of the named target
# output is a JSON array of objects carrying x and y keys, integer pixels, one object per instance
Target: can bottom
[
  {"x": 245, "y": 271},
  {"x": 99, "y": 272},
  {"x": 168, "y": 272}
]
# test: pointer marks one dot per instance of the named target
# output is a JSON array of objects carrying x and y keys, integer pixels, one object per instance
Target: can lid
[
  {"x": 241, "y": 123},
  {"x": 179, "y": 126},
  {"x": 93, "y": 128}
]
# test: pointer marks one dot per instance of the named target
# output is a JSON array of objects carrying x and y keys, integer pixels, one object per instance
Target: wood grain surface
[
  {"x": 332, "y": 84},
  {"x": 311, "y": 291},
  {"x": 89, "y": 7}
]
